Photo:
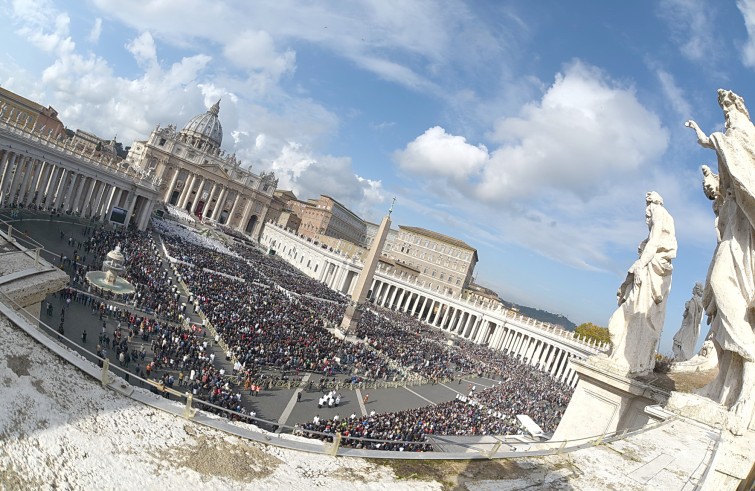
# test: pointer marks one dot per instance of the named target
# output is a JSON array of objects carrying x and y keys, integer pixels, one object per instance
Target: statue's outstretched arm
[{"x": 702, "y": 138}]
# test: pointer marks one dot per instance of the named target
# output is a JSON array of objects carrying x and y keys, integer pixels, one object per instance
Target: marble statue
[
  {"x": 685, "y": 338},
  {"x": 707, "y": 357},
  {"x": 635, "y": 327},
  {"x": 729, "y": 293}
]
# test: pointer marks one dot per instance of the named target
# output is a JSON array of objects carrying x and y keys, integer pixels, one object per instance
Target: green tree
[{"x": 591, "y": 331}]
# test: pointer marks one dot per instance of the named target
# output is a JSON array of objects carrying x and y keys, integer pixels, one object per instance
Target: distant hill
[{"x": 542, "y": 315}]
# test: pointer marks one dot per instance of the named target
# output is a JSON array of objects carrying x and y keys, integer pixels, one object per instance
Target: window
[
  {"x": 434, "y": 273},
  {"x": 458, "y": 281},
  {"x": 162, "y": 142},
  {"x": 442, "y": 275}
]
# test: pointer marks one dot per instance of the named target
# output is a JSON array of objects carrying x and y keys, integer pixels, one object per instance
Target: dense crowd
[
  {"x": 492, "y": 411},
  {"x": 272, "y": 317}
]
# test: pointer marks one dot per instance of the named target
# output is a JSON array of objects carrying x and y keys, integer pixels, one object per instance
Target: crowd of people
[{"x": 273, "y": 318}]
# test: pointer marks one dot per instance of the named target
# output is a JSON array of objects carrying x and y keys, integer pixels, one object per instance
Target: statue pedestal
[
  {"x": 350, "y": 319},
  {"x": 606, "y": 401}
]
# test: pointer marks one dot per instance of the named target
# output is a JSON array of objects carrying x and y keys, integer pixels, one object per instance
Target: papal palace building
[{"x": 422, "y": 273}]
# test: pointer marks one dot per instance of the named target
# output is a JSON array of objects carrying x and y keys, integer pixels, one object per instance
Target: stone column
[
  {"x": 9, "y": 175},
  {"x": 17, "y": 179},
  {"x": 186, "y": 195},
  {"x": 171, "y": 186},
  {"x": 220, "y": 204},
  {"x": 401, "y": 298},
  {"x": 71, "y": 191},
  {"x": 556, "y": 360},
  {"x": 75, "y": 203},
  {"x": 209, "y": 200},
  {"x": 197, "y": 197},
  {"x": 116, "y": 199},
  {"x": 29, "y": 177},
  {"x": 131, "y": 203},
  {"x": 60, "y": 188},
  {"x": 6, "y": 166},
  {"x": 420, "y": 314},
  {"x": 28, "y": 189},
  {"x": 102, "y": 196},
  {"x": 41, "y": 185},
  {"x": 87, "y": 206},
  {"x": 148, "y": 205},
  {"x": 233, "y": 210},
  {"x": 247, "y": 213},
  {"x": 546, "y": 357},
  {"x": 52, "y": 185}
]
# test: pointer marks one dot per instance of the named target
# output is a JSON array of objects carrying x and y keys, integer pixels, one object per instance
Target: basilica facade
[{"x": 199, "y": 178}]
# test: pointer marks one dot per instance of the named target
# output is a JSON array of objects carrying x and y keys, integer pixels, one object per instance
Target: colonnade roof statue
[
  {"x": 636, "y": 325},
  {"x": 729, "y": 292}
]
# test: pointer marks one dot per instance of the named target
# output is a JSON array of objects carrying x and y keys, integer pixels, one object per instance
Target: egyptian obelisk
[{"x": 364, "y": 281}]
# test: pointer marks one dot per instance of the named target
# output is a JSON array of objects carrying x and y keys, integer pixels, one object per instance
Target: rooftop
[{"x": 437, "y": 236}]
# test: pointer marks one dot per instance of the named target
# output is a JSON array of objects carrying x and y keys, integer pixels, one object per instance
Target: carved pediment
[{"x": 217, "y": 169}]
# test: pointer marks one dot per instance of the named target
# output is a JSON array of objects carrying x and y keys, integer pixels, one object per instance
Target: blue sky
[{"x": 530, "y": 130}]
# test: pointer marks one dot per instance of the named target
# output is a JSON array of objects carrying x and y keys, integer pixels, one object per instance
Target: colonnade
[
  {"x": 533, "y": 348},
  {"x": 545, "y": 346},
  {"x": 29, "y": 179}
]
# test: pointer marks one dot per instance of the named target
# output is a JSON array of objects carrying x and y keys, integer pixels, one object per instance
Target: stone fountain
[{"x": 109, "y": 278}]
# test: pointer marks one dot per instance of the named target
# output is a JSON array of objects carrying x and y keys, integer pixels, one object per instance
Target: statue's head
[
  {"x": 728, "y": 99},
  {"x": 653, "y": 197},
  {"x": 697, "y": 290},
  {"x": 710, "y": 183}
]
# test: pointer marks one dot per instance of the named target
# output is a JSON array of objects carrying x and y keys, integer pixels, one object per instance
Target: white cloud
[
  {"x": 747, "y": 8},
  {"x": 583, "y": 130},
  {"x": 255, "y": 51},
  {"x": 94, "y": 34},
  {"x": 436, "y": 152},
  {"x": 259, "y": 141},
  {"x": 308, "y": 176},
  {"x": 49, "y": 36},
  {"x": 571, "y": 165},
  {"x": 690, "y": 27},
  {"x": 397, "y": 35},
  {"x": 674, "y": 94},
  {"x": 144, "y": 50}
]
